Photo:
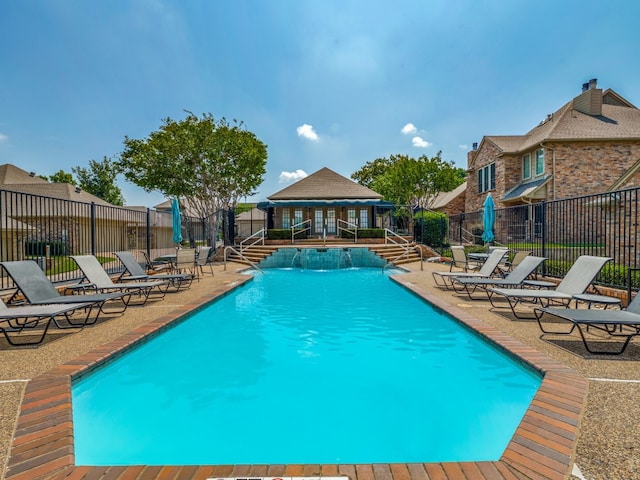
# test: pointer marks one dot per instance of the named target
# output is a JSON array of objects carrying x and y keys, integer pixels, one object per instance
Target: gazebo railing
[{"x": 299, "y": 228}]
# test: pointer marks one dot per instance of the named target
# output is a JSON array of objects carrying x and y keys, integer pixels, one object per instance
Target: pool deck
[{"x": 543, "y": 447}]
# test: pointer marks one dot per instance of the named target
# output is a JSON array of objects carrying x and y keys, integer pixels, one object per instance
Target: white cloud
[
  {"x": 286, "y": 177},
  {"x": 307, "y": 132},
  {"x": 420, "y": 143},
  {"x": 463, "y": 147},
  {"x": 3, "y": 137},
  {"x": 409, "y": 128}
]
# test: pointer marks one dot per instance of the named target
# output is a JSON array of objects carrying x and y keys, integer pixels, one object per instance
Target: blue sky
[{"x": 322, "y": 83}]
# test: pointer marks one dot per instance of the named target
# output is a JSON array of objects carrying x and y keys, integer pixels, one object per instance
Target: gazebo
[{"x": 325, "y": 203}]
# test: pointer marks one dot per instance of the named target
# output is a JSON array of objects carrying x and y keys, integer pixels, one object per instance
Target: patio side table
[{"x": 591, "y": 298}]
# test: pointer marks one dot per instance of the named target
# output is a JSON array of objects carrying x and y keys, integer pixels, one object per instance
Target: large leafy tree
[
  {"x": 408, "y": 182},
  {"x": 100, "y": 180},
  {"x": 211, "y": 164},
  {"x": 62, "y": 177},
  {"x": 413, "y": 182}
]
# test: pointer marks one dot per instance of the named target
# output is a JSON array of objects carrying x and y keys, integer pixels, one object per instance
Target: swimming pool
[{"x": 261, "y": 391}]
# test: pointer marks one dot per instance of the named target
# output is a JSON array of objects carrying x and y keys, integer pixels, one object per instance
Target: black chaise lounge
[
  {"x": 99, "y": 280},
  {"x": 37, "y": 289},
  {"x": 526, "y": 267},
  {"x": 581, "y": 274},
  {"x": 26, "y": 318},
  {"x": 618, "y": 324},
  {"x": 133, "y": 271}
]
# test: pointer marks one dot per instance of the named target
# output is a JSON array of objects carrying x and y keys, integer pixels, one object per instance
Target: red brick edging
[{"x": 541, "y": 448}]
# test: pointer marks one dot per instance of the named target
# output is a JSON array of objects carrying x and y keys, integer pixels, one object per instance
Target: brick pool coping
[{"x": 541, "y": 448}]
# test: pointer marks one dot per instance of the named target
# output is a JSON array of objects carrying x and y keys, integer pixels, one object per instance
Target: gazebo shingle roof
[{"x": 325, "y": 184}]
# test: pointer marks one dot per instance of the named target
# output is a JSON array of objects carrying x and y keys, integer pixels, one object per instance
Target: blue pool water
[{"x": 307, "y": 367}]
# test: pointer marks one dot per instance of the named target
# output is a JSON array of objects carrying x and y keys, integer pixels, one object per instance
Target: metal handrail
[
  {"x": 389, "y": 236},
  {"x": 352, "y": 225},
  {"x": 300, "y": 230},
  {"x": 405, "y": 254},
  {"x": 261, "y": 238},
  {"x": 253, "y": 264},
  {"x": 406, "y": 246}
]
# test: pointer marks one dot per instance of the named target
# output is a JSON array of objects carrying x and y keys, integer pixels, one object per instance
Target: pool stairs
[{"x": 260, "y": 255}]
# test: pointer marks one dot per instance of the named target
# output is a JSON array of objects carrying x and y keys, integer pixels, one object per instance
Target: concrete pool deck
[{"x": 586, "y": 409}]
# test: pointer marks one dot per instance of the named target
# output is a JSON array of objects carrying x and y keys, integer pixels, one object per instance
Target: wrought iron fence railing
[
  {"x": 561, "y": 230},
  {"x": 48, "y": 230}
]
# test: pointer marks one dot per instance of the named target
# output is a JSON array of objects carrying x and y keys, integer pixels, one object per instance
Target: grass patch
[{"x": 60, "y": 264}]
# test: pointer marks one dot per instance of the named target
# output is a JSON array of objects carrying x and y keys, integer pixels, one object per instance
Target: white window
[
  {"x": 318, "y": 220},
  {"x": 297, "y": 216},
  {"x": 539, "y": 161},
  {"x": 286, "y": 221},
  {"x": 351, "y": 216},
  {"x": 331, "y": 220},
  {"x": 364, "y": 218},
  {"x": 526, "y": 166},
  {"x": 487, "y": 178}
]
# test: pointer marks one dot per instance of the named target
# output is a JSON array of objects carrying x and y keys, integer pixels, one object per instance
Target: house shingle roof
[
  {"x": 15, "y": 179},
  {"x": 619, "y": 120},
  {"x": 442, "y": 199},
  {"x": 325, "y": 184}
]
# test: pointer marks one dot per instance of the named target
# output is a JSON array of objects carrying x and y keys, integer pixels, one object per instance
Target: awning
[
  {"x": 338, "y": 202},
  {"x": 527, "y": 190}
]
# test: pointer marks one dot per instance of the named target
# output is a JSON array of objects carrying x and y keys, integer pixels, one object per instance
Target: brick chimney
[{"x": 590, "y": 100}]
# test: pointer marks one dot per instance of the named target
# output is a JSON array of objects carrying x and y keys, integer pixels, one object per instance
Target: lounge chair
[
  {"x": 576, "y": 281},
  {"x": 26, "y": 318},
  {"x": 487, "y": 270},
  {"x": 37, "y": 289},
  {"x": 97, "y": 279},
  {"x": 623, "y": 324},
  {"x": 514, "y": 279},
  {"x": 133, "y": 271},
  {"x": 152, "y": 266},
  {"x": 510, "y": 265},
  {"x": 186, "y": 262},
  {"x": 202, "y": 260},
  {"x": 460, "y": 260}
]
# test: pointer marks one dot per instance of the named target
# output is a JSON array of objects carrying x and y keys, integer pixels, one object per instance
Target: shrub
[
  {"x": 611, "y": 274},
  {"x": 284, "y": 234},
  {"x": 431, "y": 228}
]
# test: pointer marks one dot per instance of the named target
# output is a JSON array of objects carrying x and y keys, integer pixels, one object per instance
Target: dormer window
[
  {"x": 526, "y": 166},
  {"x": 539, "y": 161}
]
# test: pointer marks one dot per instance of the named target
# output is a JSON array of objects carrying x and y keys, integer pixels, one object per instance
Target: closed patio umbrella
[
  {"x": 488, "y": 219},
  {"x": 177, "y": 221}
]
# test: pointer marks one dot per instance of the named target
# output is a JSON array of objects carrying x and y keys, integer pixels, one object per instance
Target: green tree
[
  {"x": 404, "y": 180},
  {"x": 100, "y": 180},
  {"x": 408, "y": 182},
  {"x": 210, "y": 163},
  {"x": 372, "y": 170},
  {"x": 62, "y": 177}
]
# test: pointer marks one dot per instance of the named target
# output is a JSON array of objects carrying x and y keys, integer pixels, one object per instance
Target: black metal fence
[
  {"x": 48, "y": 230},
  {"x": 605, "y": 225}
]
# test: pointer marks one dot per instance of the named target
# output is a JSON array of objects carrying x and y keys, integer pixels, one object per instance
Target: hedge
[
  {"x": 432, "y": 227},
  {"x": 365, "y": 233},
  {"x": 38, "y": 248}
]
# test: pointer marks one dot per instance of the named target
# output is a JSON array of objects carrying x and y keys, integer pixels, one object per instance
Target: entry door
[
  {"x": 318, "y": 221},
  {"x": 331, "y": 221}
]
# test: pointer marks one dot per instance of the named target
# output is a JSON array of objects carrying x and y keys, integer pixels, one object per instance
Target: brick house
[
  {"x": 451, "y": 203},
  {"x": 590, "y": 145}
]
